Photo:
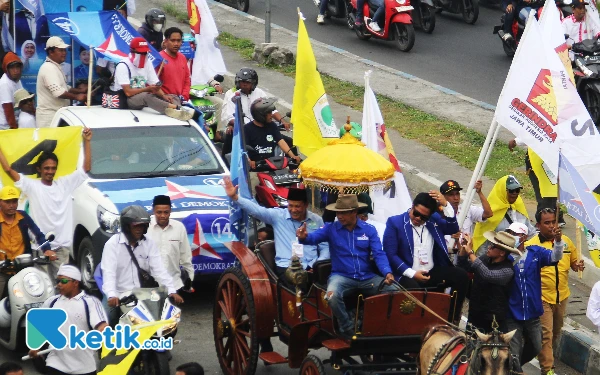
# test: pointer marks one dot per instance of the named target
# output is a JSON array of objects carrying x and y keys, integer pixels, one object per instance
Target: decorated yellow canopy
[{"x": 346, "y": 163}]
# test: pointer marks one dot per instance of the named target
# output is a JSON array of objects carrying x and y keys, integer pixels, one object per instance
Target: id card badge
[
  {"x": 297, "y": 249},
  {"x": 423, "y": 257}
]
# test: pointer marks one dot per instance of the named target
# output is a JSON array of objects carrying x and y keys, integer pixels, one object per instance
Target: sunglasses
[
  {"x": 418, "y": 214},
  {"x": 514, "y": 191},
  {"x": 63, "y": 281}
]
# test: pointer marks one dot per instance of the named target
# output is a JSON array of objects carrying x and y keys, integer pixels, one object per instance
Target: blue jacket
[
  {"x": 525, "y": 300},
  {"x": 398, "y": 241},
  {"x": 351, "y": 251},
  {"x": 26, "y": 224}
]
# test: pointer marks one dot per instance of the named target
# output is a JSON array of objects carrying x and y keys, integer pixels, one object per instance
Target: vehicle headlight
[
  {"x": 33, "y": 284},
  {"x": 281, "y": 201},
  {"x": 401, "y": 2},
  {"x": 108, "y": 221}
]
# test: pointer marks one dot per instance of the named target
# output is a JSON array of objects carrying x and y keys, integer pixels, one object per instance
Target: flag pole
[{"x": 90, "y": 75}]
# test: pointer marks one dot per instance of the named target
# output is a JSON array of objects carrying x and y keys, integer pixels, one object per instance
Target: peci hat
[
  {"x": 56, "y": 42},
  {"x": 512, "y": 183},
  {"x": 366, "y": 199},
  {"x": 503, "y": 240},
  {"x": 518, "y": 228},
  {"x": 449, "y": 186},
  {"x": 21, "y": 95},
  {"x": 139, "y": 44},
  {"x": 161, "y": 200},
  {"x": 9, "y": 192},
  {"x": 296, "y": 194},
  {"x": 345, "y": 202}
]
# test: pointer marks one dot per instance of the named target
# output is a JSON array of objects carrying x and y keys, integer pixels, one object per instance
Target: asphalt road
[{"x": 465, "y": 58}]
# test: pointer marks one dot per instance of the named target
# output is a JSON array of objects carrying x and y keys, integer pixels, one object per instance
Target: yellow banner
[
  {"x": 547, "y": 188},
  {"x": 311, "y": 114},
  {"x": 22, "y": 147}
]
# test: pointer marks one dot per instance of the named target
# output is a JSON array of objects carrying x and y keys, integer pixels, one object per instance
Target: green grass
[
  {"x": 176, "y": 10},
  {"x": 448, "y": 138}
]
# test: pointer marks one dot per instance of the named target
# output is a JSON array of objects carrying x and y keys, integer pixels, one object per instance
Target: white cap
[
  {"x": 55, "y": 41},
  {"x": 519, "y": 228},
  {"x": 69, "y": 271}
]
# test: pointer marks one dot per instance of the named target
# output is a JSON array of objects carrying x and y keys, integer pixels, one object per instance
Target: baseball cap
[
  {"x": 512, "y": 183},
  {"x": 519, "y": 228},
  {"x": 576, "y": 3},
  {"x": 20, "y": 95},
  {"x": 139, "y": 44},
  {"x": 9, "y": 192},
  {"x": 448, "y": 186},
  {"x": 57, "y": 42}
]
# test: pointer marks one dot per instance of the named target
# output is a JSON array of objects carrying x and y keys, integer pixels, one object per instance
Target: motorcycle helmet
[
  {"x": 156, "y": 20},
  {"x": 261, "y": 107},
  {"x": 133, "y": 215},
  {"x": 246, "y": 75},
  {"x": 355, "y": 131},
  {"x": 4, "y": 313}
]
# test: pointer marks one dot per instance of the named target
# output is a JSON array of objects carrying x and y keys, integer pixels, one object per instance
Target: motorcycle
[
  {"x": 398, "y": 23},
  {"x": 142, "y": 306},
  {"x": 242, "y": 5},
  {"x": 424, "y": 14},
  {"x": 517, "y": 28},
  {"x": 335, "y": 8},
  {"x": 468, "y": 8},
  {"x": 587, "y": 75},
  {"x": 204, "y": 101},
  {"x": 29, "y": 287},
  {"x": 275, "y": 176}
]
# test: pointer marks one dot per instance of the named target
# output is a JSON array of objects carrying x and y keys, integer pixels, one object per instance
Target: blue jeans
[
  {"x": 323, "y": 7},
  {"x": 379, "y": 13},
  {"x": 524, "y": 14},
  {"x": 339, "y": 286},
  {"x": 360, "y": 4},
  {"x": 531, "y": 330}
]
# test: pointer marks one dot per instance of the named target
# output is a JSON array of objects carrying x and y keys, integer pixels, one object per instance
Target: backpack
[{"x": 115, "y": 99}]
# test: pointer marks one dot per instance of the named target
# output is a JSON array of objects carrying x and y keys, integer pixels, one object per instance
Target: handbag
[
  {"x": 115, "y": 99},
  {"x": 146, "y": 280}
]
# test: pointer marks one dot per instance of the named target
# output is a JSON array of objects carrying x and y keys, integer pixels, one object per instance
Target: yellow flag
[
  {"x": 311, "y": 114},
  {"x": 22, "y": 147},
  {"x": 548, "y": 189},
  {"x": 118, "y": 362}
]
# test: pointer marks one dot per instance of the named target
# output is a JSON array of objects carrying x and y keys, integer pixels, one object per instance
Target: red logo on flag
[{"x": 542, "y": 97}]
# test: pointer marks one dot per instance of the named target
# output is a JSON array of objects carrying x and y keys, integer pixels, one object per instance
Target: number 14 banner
[{"x": 22, "y": 147}]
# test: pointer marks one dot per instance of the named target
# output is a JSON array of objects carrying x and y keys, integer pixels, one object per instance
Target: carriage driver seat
[{"x": 265, "y": 251}]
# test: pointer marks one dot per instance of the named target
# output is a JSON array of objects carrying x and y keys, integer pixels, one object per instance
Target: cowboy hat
[
  {"x": 345, "y": 202},
  {"x": 503, "y": 240}
]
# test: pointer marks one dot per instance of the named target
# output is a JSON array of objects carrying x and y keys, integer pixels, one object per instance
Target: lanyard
[{"x": 419, "y": 235}]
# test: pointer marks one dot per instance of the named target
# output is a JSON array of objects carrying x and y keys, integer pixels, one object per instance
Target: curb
[{"x": 579, "y": 348}]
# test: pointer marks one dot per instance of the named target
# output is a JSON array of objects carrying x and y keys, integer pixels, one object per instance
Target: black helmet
[
  {"x": 133, "y": 215},
  {"x": 246, "y": 75},
  {"x": 261, "y": 107},
  {"x": 156, "y": 15}
]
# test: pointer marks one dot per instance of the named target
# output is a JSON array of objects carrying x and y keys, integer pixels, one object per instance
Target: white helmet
[{"x": 4, "y": 313}]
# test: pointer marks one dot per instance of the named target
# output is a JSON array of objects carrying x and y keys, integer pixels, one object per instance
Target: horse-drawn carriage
[{"x": 252, "y": 304}]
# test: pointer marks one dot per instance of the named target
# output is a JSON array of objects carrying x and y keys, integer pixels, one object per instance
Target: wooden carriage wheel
[
  {"x": 234, "y": 324},
  {"x": 312, "y": 365}
]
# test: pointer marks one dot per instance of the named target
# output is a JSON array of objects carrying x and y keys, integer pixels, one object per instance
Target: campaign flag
[
  {"x": 311, "y": 115},
  {"x": 34, "y": 6},
  {"x": 552, "y": 31},
  {"x": 239, "y": 172},
  {"x": 539, "y": 103},
  {"x": 194, "y": 16},
  {"x": 22, "y": 147},
  {"x": 107, "y": 32},
  {"x": 395, "y": 198},
  {"x": 208, "y": 60}
]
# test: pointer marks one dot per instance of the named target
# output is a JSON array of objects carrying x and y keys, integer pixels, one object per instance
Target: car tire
[{"x": 86, "y": 264}]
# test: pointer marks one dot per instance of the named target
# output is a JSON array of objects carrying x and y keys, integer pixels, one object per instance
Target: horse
[{"x": 446, "y": 350}]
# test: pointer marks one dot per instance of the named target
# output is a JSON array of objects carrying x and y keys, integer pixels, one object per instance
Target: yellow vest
[{"x": 553, "y": 291}]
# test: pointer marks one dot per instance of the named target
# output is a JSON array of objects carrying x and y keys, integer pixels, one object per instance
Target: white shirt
[
  {"x": 51, "y": 206},
  {"x": 119, "y": 273},
  {"x": 229, "y": 113},
  {"x": 475, "y": 215},
  {"x": 77, "y": 361},
  {"x": 423, "y": 246},
  {"x": 26, "y": 120},
  {"x": 51, "y": 83},
  {"x": 593, "y": 307},
  {"x": 174, "y": 248},
  {"x": 579, "y": 31},
  {"x": 139, "y": 77},
  {"x": 7, "y": 91}
]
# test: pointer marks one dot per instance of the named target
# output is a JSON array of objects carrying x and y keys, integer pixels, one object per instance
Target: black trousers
[{"x": 449, "y": 276}]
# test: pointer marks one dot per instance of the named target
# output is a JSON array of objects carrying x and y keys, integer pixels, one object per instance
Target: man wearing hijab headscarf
[{"x": 507, "y": 206}]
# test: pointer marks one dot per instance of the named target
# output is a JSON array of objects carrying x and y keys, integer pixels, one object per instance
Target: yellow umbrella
[{"x": 346, "y": 164}]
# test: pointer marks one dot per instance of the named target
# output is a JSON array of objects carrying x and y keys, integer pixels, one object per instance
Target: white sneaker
[
  {"x": 321, "y": 19},
  {"x": 374, "y": 26},
  {"x": 182, "y": 114}
]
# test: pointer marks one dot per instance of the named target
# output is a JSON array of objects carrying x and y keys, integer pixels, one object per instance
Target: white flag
[
  {"x": 539, "y": 103},
  {"x": 553, "y": 32},
  {"x": 396, "y": 199},
  {"x": 208, "y": 60}
]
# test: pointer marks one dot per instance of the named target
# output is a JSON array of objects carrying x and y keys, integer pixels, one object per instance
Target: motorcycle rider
[
  {"x": 152, "y": 29},
  {"x": 379, "y": 15},
  {"x": 15, "y": 226},
  {"x": 119, "y": 272},
  {"x": 576, "y": 27},
  {"x": 262, "y": 134}
]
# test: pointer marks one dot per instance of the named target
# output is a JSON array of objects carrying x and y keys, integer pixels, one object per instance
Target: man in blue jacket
[
  {"x": 525, "y": 299},
  {"x": 15, "y": 226},
  {"x": 352, "y": 242},
  {"x": 416, "y": 248}
]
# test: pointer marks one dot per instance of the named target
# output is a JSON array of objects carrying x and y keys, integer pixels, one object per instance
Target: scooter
[
  {"x": 204, "y": 101},
  {"x": 275, "y": 176},
  {"x": 398, "y": 23},
  {"x": 145, "y": 305},
  {"x": 468, "y": 8},
  {"x": 517, "y": 28},
  {"x": 28, "y": 288},
  {"x": 335, "y": 8},
  {"x": 587, "y": 76}
]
